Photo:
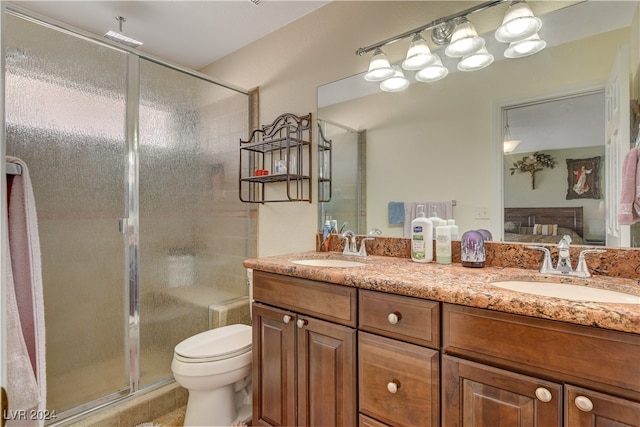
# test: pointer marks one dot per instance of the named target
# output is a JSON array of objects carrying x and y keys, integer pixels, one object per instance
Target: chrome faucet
[
  {"x": 351, "y": 246},
  {"x": 563, "y": 267}
]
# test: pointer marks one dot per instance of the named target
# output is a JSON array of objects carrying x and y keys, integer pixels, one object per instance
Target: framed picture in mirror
[{"x": 583, "y": 178}]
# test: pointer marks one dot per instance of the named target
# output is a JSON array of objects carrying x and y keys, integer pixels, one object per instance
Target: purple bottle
[{"x": 472, "y": 247}]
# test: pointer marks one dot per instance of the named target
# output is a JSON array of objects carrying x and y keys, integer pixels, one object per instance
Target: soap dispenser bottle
[{"x": 421, "y": 237}]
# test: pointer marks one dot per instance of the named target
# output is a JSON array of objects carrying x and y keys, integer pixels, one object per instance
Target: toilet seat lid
[{"x": 215, "y": 344}]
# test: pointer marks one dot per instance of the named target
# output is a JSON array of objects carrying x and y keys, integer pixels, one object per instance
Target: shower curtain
[{"x": 26, "y": 366}]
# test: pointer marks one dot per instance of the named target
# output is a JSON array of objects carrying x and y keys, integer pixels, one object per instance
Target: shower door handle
[{"x": 123, "y": 225}]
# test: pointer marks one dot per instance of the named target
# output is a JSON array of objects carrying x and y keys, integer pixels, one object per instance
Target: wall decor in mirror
[{"x": 444, "y": 140}]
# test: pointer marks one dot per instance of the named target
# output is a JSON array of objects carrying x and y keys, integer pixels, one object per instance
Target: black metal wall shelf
[{"x": 277, "y": 153}]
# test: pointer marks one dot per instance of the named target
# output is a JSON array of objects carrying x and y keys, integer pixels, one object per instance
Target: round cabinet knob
[
  {"x": 393, "y": 386},
  {"x": 394, "y": 317},
  {"x": 543, "y": 394},
  {"x": 286, "y": 318},
  {"x": 584, "y": 403},
  {"x": 301, "y": 323}
]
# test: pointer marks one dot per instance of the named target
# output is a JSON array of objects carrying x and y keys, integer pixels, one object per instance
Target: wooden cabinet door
[
  {"x": 476, "y": 395},
  {"x": 273, "y": 366},
  {"x": 587, "y": 408},
  {"x": 326, "y": 373},
  {"x": 399, "y": 381}
]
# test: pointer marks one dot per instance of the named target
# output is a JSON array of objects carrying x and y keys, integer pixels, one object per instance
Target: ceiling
[{"x": 192, "y": 34}]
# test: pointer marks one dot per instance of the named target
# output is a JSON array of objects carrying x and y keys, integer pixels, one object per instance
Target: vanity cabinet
[
  {"x": 398, "y": 360},
  {"x": 304, "y": 352},
  {"x": 539, "y": 371}
]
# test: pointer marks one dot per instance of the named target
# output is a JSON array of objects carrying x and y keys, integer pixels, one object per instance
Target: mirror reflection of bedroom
[{"x": 554, "y": 179}]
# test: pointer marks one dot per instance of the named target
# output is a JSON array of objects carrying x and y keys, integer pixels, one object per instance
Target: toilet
[{"x": 215, "y": 367}]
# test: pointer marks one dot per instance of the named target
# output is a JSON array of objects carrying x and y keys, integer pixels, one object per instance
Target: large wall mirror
[{"x": 442, "y": 141}]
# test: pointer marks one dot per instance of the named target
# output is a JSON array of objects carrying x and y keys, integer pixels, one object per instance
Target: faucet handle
[
  {"x": 363, "y": 248},
  {"x": 546, "y": 263},
  {"x": 581, "y": 269}
]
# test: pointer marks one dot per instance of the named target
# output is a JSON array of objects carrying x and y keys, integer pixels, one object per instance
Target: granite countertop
[{"x": 466, "y": 286}]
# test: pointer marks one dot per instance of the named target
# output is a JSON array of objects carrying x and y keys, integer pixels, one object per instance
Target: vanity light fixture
[
  {"x": 525, "y": 47},
  {"x": 476, "y": 61},
  {"x": 395, "y": 83},
  {"x": 379, "y": 67},
  {"x": 419, "y": 55},
  {"x": 519, "y": 28},
  {"x": 464, "y": 41},
  {"x": 518, "y": 23},
  {"x": 509, "y": 144}
]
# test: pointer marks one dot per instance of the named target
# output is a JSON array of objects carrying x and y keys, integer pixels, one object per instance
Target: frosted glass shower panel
[
  {"x": 193, "y": 228},
  {"x": 65, "y": 109}
]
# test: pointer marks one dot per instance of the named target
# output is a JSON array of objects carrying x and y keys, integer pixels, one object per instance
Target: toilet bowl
[{"x": 215, "y": 367}]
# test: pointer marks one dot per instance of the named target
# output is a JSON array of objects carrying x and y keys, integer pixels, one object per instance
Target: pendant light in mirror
[
  {"x": 476, "y": 61},
  {"x": 395, "y": 83},
  {"x": 509, "y": 144},
  {"x": 433, "y": 72},
  {"x": 525, "y": 47}
]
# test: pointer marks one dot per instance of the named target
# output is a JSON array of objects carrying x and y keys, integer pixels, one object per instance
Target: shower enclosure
[{"x": 133, "y": 165}]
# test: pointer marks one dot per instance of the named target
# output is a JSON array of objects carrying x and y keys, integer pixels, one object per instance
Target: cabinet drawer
[
  {"x": 327, "y": 301},
  {"x": 385, "y": 364},
  {"x": 570, "y": 353},
  {"x": 405, "y": 318}
]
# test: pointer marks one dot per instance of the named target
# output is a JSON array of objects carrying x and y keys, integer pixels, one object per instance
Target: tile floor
[{"x": 174, "y": 418}]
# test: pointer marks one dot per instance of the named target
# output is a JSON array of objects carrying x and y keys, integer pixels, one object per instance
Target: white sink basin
[
  {"x": 571, "y": 292},
  {"x": 328, "y": 262}
]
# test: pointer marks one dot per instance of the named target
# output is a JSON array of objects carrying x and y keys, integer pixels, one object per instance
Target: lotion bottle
[
  {"x": 421, "y": 237},
  {"x": 443, "y": 244}
]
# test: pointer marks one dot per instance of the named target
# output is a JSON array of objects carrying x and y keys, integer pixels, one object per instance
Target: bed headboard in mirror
[{"x": 564, "y": 217}]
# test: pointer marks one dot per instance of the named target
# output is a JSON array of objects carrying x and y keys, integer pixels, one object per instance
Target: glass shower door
[
  {"x": 65, "y": 107},
  {"x": 194, "y": 231}
]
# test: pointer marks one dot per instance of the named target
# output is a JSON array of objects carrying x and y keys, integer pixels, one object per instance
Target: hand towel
[
  {"x": 396, "y": 212},
  {"x": 629, "y": 209},
  {"x": 27, "y": 344}
]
